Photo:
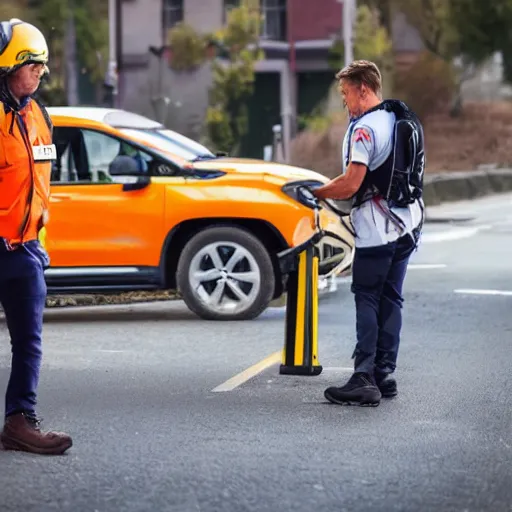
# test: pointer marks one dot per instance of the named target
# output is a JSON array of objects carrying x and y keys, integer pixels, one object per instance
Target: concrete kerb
[{"x": 460, "y": 185}]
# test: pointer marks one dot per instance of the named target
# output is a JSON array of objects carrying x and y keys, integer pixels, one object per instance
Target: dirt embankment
[{"x": 482, "y": 135}]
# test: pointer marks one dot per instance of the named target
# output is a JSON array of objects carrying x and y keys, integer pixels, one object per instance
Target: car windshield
[{"x": 172, "y": 142}]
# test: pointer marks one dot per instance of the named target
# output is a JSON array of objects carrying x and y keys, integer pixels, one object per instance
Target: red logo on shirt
[{"x": 361, "y": 134}]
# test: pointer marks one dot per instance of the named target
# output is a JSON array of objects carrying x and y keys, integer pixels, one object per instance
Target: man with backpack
[{"x": 383, "y": 166}]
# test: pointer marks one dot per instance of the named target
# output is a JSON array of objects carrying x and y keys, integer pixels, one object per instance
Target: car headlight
[{"x": 301, "y": 192}]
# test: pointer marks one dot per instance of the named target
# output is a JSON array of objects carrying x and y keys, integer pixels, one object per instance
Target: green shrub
[{"x": 427, "y": 86}]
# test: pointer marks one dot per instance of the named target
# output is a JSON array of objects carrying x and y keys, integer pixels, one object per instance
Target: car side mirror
[
  {"x": 128, "y": 173},
  {"x": 124, "y": 165}
]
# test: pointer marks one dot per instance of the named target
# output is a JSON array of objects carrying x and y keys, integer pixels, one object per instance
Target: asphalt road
[{"x": 134, "y": 386}]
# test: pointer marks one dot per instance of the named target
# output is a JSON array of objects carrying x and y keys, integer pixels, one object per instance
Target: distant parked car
[{"x": 135, "y": 206}]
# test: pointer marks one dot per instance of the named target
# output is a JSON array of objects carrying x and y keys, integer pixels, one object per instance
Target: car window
[
  {"x": 86, "y": 156},
  {"x": 190, "y": 144},
  {"x": 169, "y": 141}
]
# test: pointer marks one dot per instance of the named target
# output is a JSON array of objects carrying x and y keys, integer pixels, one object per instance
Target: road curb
[{"x": 461, "y": 185}]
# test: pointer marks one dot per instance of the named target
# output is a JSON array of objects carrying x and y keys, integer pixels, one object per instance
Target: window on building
[
  {"x": 172, "y": 13},
  {"x": 274, "y": 20}
]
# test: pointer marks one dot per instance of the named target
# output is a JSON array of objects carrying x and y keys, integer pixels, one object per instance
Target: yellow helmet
[{"x": 20, "y": 43}]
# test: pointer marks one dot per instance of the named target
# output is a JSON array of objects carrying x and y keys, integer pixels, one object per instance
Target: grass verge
[{"x": 62, "y": 301}]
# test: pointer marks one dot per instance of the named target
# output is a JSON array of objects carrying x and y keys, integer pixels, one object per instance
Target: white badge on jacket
[{"x": 44, "y": 153}]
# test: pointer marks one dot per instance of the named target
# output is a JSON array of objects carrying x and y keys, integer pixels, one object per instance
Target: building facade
[
  {"x": 293, "y": 77},
  {"x": 295, "y": 37}
]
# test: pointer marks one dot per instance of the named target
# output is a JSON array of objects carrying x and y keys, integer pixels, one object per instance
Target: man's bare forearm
[
  {"x": 344, "y": 186},
  {"x": 338, "y": 188}
]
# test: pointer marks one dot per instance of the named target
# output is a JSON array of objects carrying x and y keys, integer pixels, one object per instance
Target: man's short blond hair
[{"x": 362, "y": 72}]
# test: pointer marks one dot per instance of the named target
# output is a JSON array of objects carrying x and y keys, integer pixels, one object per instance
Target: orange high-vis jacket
[{"x": 26, "y": 151}]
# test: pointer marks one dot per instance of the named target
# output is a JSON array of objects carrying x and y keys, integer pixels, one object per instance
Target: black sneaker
[
  {"x": 387, "y": 385},
  {"x": 359, "y": 390}
]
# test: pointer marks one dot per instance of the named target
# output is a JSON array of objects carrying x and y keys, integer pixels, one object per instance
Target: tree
[
  {"x": 233, "y": 77},
  {"x": 464, "y": 33},
  {"x": 434, "y": 21},
  {"x": 384, "y": 9},
  {"x": 484, "y": 28},
  {"x": 236, "y": 46},
  {"x": 51, "y": 17},
  {"x": 371, "y": 42},
  {"x": 13, "y": 9},
  {"x": 187, "y": 48},
  {"x": 90, "y": 21}
]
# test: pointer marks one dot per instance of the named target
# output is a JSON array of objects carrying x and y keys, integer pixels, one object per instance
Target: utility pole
[
  {"x": 289, "y": 92},
  {"x": 111, "y": 78},
  {"x": 348, "y": 19},
  {"x": 71, "y": 57}
]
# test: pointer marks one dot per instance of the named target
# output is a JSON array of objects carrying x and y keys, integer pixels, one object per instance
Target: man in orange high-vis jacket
[{"x": 26, "y": 153}]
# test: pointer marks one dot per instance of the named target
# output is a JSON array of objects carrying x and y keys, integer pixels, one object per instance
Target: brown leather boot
[{"x": 23, "y": 433}]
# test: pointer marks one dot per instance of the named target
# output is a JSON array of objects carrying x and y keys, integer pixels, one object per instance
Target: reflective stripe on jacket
[{"x": 24, "y": 181}]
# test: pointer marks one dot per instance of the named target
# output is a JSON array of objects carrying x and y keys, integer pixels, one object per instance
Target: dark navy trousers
[
  {"x": 377, "y": 281},
  {"x": 23, "y": 295}
]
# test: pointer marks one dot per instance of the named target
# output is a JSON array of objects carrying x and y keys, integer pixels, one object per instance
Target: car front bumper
[{"x": 335, "y": 246}]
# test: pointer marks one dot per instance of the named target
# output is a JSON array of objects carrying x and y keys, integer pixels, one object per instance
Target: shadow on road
[
  {"x": 105, "y": 314},
  {"x": 137, "y": 313},
  {"x": 128, "y": 315}
]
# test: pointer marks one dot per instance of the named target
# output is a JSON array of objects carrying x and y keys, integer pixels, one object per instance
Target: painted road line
[
  {"x": 453, "y": 234},
  {"x": 425, "y": 266},
  {"x": 470, "y": 291},
  {"x": 249, "y": 373}
]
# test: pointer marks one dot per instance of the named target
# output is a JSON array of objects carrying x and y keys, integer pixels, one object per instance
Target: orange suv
[{"x": 135, "y": 206}]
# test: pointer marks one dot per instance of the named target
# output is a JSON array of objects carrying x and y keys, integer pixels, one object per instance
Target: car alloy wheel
[
  {"x": 225, "y": 276},
  {"x": 226, "y": 273}
]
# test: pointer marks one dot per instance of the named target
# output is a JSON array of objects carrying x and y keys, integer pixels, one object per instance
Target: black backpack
[{"x": 408, "y": 156}]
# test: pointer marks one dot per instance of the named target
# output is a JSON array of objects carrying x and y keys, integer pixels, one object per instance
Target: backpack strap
[{"x": 46, "y": 116}]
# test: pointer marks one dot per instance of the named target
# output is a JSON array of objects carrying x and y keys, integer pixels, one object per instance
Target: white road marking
[
  {"x": 249, "y": 373},
  {"x": 453, "y": 234},
  {"x": 470, "y": 291},
  {"x": 426, "y": 266}
]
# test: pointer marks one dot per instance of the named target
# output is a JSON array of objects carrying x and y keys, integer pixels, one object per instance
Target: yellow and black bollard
[{"x": 300, "y": 354}]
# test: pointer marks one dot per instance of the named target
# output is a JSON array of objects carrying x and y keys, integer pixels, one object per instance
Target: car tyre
[{"x": 226, "y": 245}]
